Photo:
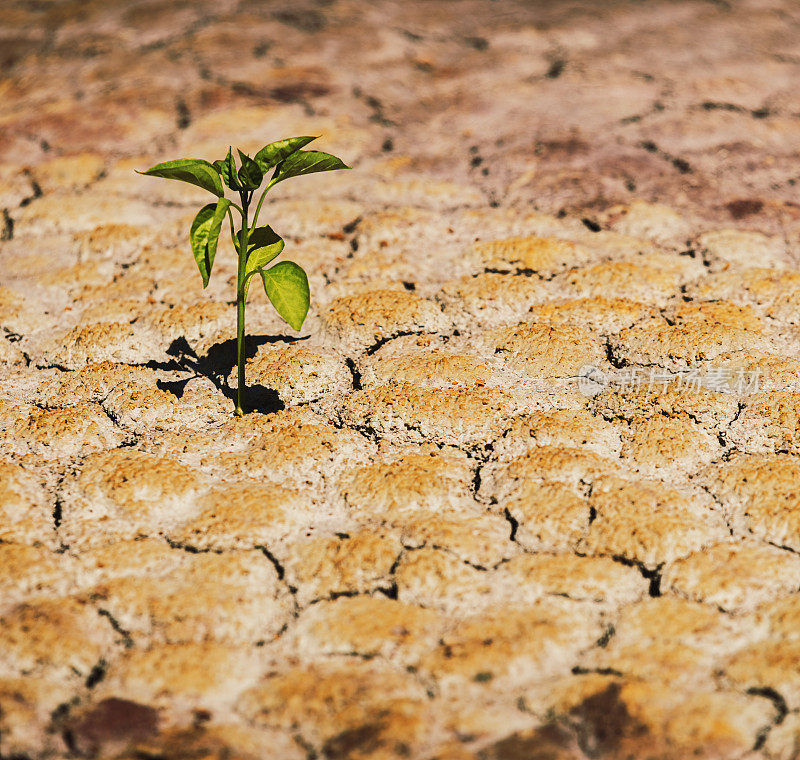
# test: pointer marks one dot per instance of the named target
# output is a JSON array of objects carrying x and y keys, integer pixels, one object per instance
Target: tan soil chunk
[
  {"x": 669, "y": 664},
  {"x": 11, "y": 355},
  {"x": 540, "y": 349},
  {"x": 57, "y": 635},
  {"x": 550, "y": 517},
  {"x": 741, "y": 247},
  {"x": 765, "y": 372},
  {"x": 646, "y": 281},
  {"x": 432, "y": 369},
  {"x": 784, "y": 739},
  {"x": 393, "y": 489},
  {"x": 761, "y": 495},
  {"x": 667, "y": 397},
  {"x": 302, "y": 453},
  {"x": 70, "y": 172},
  {"x": 437, "y": 579},
  {"x": 55, "y": 433},
  {"x": 653, "y": 444},
  {"x": 650, "y": 720},
  {"x": 136, "y": 405},
  {"x": 367, "y": 626},
  {"x": 299, "y": 374},
  {"x": 490, "y": 299},
  {"x": 573, "y": 428},
  {"x": 139, "y": 557},
  {"x": 590, "y": 579},
  {"x": 682, "y": 346},
  {"x": 84, "y": 278},
  {"x": 111, "y": 241},
  {"x": 217, "y": 742},
  {"x": 16, "y": 314},
  {"x": 145, "y": 409},
  {"x": 717, "y": 312},
  {"x": 758, "y": 286},
  {"x": 669, "y": 619},
  {"x": 783, "y": 616},
  {"x": 233, "y": 434},
  {"x": 511, "y": 644},
  {"x": 653, "y": 221},
  {"x": 769, "y": 423},
  {"x": 211, "y": 597},
  {"x": 648, "y": 523},
  {"x": 125, "y": 493},
  {"x": 26, "y": 707},
  {"x": 353, "y": 323},
  {"x": 93, "y": 383},
  {"x": 541, "y": 255},
  {"x": 572, "y": 466},
  {"x": 326, "y": 566},
  {"x": 769, "y": 663},
  {"x": 603, "y": 315},
  {"x": 25, "y": 514},
  {"x": 244, "y": 516},
  {"x": 734, "y": 577},
  {"x": 103, "y": 341},
  {"x": 187, "y": 677},
  {"x": 31, "y": 571},
  {"x": 481, "y": 539},
  {"x": 786, "y": 309},
  {"x": 194, "y": 322},
  {"x": 327, "y": 699},
  {"x": 459, "y": 417}
]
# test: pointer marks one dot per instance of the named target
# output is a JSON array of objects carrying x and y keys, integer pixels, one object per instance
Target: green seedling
[{"x": 285, "y": 283}]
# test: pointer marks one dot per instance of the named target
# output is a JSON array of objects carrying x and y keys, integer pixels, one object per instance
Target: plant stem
[
  {"x": 260, "y": 201},
  {"x": 240, "y": 298}
]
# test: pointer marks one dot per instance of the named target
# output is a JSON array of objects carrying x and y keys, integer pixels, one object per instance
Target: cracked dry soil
[{"x": 433, "y": 538}]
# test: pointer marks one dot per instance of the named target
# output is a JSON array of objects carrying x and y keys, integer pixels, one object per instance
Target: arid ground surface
[{"x": 526, "y": 485}]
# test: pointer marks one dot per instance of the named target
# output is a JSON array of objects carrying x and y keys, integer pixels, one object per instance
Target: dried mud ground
[{"x": 431, "y": 538}]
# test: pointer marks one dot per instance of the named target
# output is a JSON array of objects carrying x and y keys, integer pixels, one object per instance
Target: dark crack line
[
  {"x": 653, "y": 576},
  {"x": 127, "y": 639},
  {"x": 781, "y": 711},
  {"x": 680, "y": 164}
]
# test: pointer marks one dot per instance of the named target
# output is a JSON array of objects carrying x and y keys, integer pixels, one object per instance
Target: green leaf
[
  {"x": 250, "y": 174},
  {"x": 195, "y": 171},
  {"x": 306, "y": 162},
  {"x": 286, "y": 285},
  {"x": 227, "y": 168},
  {"x": 204, "y": 235},
  {"x": 263, "y": 246},
  {"x": 272, "y": 154}
]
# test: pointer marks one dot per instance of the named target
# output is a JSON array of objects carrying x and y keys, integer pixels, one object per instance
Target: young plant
[{"x": 285, "y": 283}]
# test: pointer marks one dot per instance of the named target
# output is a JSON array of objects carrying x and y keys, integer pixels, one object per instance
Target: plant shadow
[{"x": 216, "y": 365}]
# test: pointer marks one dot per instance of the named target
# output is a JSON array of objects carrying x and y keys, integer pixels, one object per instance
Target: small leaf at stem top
[
  {"x": 263, "y": 246},
  {"x": 306, "y": 162},
  {"x": 195, "y": 171},
  {"x": 286, "y": 285},
  {"x": 250, "y": 174},
  {"x": 273, "y": 153},
  {"x": 227, "y": 168},
  {"x": 204, "y": 235}
]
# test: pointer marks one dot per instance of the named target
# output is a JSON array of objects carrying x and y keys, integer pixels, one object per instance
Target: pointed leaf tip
[
  {"x": 275, "y": 152},
  {"x": 194, "y": 171},
  {"x": 204, "y": 236},
  {"x": 307, "y": 162},
  {"x": 250, "y": 174}
]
